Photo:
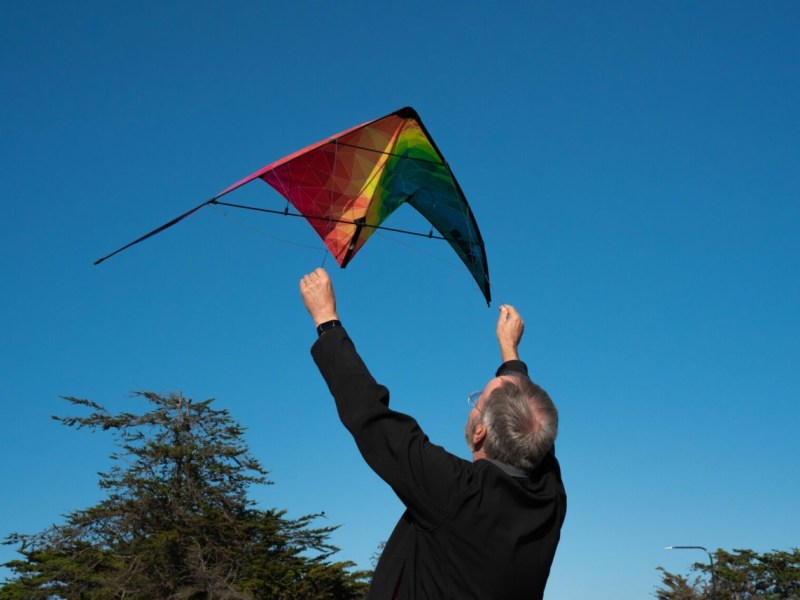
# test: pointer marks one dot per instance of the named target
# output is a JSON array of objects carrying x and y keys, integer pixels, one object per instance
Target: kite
[{"x": 347, "y": 186}]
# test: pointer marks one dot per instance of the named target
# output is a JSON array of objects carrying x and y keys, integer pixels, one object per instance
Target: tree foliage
[
  {"x": 176, "y": 522},
  {"x": 738, "y": 575}
]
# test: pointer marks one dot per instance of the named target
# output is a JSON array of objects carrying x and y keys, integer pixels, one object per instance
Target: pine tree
[
  {"x": 176, "y": 522},
  {"x": 738, "y": 575}
]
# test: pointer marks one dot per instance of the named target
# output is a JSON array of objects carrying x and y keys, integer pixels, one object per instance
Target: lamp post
[{"x": 710, "y": 560}]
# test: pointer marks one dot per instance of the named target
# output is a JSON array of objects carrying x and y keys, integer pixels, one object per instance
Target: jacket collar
[{"x": 509, "y": 469}]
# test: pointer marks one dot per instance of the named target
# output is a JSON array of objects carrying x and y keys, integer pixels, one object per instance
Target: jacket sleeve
[
  {"x": 425, "y": 477},
  {"x": 511, "y": 367}
]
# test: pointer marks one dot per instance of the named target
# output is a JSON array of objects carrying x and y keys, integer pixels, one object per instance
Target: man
[{"x": 486, "y": 529}]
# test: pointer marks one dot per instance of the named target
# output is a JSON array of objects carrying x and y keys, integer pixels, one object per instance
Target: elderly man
[{"x": 486, "y": 529}]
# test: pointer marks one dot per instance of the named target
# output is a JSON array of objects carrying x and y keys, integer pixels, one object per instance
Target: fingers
[
  {"x": 509, "y": 319},
  {"x": 507, "y": 311},
  {"x": 316, "y": 277}
]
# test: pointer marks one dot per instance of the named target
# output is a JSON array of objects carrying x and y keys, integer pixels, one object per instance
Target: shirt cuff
[{"x": 323, "y": 327}]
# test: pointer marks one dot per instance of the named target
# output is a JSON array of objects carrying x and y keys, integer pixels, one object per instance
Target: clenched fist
[
  {"x": 510, "y": 328},
  {"x": 316, "y": 290}
]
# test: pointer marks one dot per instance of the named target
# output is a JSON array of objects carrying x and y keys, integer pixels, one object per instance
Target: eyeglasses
[{"x": 472, "y": 399}]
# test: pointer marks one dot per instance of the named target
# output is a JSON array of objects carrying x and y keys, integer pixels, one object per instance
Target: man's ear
[{"x": 478, "y": 435}]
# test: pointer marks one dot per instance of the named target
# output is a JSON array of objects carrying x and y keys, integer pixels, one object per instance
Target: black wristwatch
[{"x": 323, "y": 327}]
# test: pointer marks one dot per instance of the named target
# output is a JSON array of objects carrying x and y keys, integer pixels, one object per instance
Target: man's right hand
[{"x": 510, "y": 328}]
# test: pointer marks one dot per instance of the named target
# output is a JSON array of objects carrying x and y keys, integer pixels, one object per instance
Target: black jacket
[{"x": 480, "y": 530}]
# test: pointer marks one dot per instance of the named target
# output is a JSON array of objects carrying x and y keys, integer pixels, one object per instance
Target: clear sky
[{"x": 634, "y": 168}]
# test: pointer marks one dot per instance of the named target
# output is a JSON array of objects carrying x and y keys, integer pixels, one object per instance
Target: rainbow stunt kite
[{"x": 348, "y": 185}]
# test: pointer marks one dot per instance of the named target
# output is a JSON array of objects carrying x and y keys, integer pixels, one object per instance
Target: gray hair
[{"x": 521, "y": 423}]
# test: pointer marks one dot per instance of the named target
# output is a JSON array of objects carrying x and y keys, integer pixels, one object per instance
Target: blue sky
[{"x": 633, "y": 167}]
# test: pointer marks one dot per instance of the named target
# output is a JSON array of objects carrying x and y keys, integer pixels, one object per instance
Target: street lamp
[{"x": 710, "y": 559}]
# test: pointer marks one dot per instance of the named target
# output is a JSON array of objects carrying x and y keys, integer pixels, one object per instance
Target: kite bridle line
[{"x": 359, "y": 224}]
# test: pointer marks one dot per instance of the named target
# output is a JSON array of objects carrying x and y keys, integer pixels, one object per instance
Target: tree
[
  {"x": 176, "y": 522},
  {"x": 740, "y": 575}
]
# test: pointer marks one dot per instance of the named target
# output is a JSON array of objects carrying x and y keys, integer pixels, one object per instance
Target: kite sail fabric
[{"x": 347, "y": 185}]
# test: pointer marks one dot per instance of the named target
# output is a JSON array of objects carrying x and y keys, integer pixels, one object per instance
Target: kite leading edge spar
[{"x": 346, "y": 186}]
